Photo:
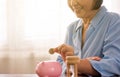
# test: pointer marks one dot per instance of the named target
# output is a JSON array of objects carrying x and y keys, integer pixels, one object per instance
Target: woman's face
[{"x": 82, "y": 8}]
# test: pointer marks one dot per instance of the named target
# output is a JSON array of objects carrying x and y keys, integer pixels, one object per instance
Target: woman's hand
[
  {"x": 86, "y": 68},
  {"x": 94, "y": 58},
  {"x": 64, "y": 50}
]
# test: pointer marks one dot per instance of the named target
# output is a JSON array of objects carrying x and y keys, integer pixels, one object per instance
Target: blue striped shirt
[{"x": 102, "y": 39}]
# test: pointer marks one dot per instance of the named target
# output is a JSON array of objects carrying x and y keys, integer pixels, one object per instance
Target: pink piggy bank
[{"x": 48, "y": 69}]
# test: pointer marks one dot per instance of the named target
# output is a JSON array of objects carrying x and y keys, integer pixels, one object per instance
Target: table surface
[{"x": 18, "y": 75}]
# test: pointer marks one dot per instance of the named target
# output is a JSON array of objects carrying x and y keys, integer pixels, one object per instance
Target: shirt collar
[
  {"x": 79, "y": 24},
  {"x": 95, "y": 20},
  {"x": 98, "y": 16}
]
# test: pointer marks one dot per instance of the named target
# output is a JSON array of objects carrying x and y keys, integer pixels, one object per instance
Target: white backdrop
[
  {"x": 112, "y": 5},
  {"x": 30, "y": 27},
  {"x": 37, "y": 24}
]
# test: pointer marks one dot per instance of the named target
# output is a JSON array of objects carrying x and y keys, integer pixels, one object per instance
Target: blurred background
[{"x": 28, "y": 28}]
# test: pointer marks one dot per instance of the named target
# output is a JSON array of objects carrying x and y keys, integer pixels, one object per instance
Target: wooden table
[{"x": 18, "y": 75}]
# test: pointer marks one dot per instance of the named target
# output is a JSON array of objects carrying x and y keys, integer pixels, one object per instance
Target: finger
[
  {"x": 69, "y": 54},
  {"x": 55, "y": 49},
  {"x": 96, "y": 58},
  {"x": 63, "y": 50},
  {"x": 60, "y": 47},
  {"x": 64, "y": 55}
]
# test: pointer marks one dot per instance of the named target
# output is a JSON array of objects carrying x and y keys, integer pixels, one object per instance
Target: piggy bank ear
[{"x": 70, "y": 4}]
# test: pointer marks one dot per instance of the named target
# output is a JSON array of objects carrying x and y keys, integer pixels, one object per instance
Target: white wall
[{"x": 112, "y": 5}]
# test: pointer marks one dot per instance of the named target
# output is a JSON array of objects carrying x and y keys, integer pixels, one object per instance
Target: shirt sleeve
[
  {"x": 109, "y": 65},
  {"x": 59, "y": 59}
]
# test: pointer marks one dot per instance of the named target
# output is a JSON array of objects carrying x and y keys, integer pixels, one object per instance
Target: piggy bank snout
[{"x": 49, "y": 69}]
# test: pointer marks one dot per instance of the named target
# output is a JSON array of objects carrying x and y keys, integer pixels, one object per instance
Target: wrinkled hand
[
  {"x": 94, "y": 58},
  {"x": 64, "y": 50}
]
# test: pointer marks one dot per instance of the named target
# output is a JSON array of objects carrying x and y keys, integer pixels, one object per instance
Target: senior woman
[{"x": 94, "y": 38}]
